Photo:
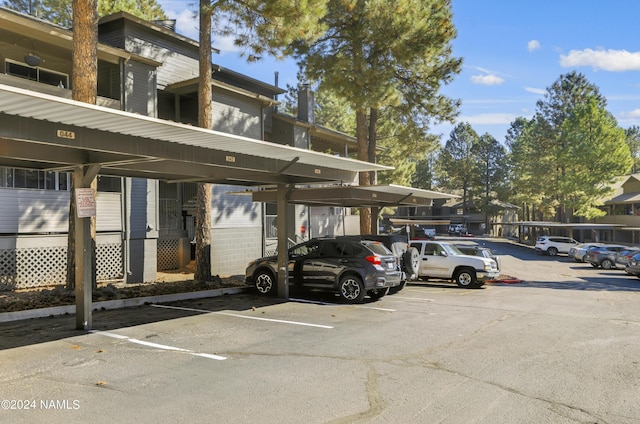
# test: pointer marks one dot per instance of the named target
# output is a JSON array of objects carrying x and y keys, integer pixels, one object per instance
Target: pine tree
[
  {"x": 457, "y": 164},
  {"x": 60, "y": 11},
  {"x": 377, "y": 54}
]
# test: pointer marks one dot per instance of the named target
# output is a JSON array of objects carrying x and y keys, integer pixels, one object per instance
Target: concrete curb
[{"x": 118, "y": 304}]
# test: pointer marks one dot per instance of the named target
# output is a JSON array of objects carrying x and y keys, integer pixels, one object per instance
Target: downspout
[
  {"x": 123, "y": 79},
  {"x": 126, "y": 232},
  {"x": 124, "y": 202}
]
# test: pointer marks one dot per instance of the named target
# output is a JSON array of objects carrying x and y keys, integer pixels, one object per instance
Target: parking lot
[{"x": 563, "y": 346}]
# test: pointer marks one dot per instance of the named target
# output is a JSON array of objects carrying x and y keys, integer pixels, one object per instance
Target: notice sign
[{"x": 86, "y": 202}]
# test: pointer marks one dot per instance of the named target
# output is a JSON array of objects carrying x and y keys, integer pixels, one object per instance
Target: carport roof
[
  {"x": 578, "y": 225},
  {"x": 356, "y": 196},
  {"x": 53, "y": 133}
]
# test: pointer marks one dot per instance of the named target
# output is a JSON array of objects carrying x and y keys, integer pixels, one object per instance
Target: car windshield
[{"x": 451, "y": 249}]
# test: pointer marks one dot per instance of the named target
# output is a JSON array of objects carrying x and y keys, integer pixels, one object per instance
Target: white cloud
[
  {"x": 535, "y": 90},
  {"x": 533, "y": 45},
  {"x": 606, "y": 60},
  {"x": 186, "y": 23},
  {"x": 633, "y": 115},
  {"x": 488, "y": 118},
  {"x": 490, "y": 79}
]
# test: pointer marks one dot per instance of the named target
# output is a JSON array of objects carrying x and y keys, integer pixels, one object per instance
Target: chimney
[
  {"x": 169, "y": 24},
  {"x": 305, "y": 103}
]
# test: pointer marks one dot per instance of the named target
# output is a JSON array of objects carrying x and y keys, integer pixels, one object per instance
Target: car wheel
[
  {"x": 411, "y": 262},
  {"x": 378, "y": 293},
  {"x": 265, "y": 282},
  {"x": 606, "y": 264},
  {"x": 396, "y": 289},
  {"x": 465, "y": 277},
  {"x": 351, "y": 289},
  {"x": 552, "y": 251}
]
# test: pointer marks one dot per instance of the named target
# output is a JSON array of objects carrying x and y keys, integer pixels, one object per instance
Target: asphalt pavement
[{"x": 560, "y": 347}]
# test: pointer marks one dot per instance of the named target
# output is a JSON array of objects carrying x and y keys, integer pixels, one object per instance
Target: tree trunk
[
  {"x": 203, "y": 233},
  {"x": 205, "y": 120},
  {"x": 84, "y": 85},
  {"x": 363, "y": 154},
  {"x": 373, "y": 175}
]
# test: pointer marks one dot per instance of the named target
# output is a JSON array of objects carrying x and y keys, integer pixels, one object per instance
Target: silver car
[
  {"x": 578, "y": 252},
  {"x": 604, "y": 256}
]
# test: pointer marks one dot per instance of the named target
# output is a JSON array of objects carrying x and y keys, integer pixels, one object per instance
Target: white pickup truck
[{"x": 443, "y": 260}]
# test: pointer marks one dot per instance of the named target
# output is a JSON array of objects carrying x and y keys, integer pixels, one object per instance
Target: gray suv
[
  {"x": 352, "y": 268},
  {"x": 604, "y": 256}
]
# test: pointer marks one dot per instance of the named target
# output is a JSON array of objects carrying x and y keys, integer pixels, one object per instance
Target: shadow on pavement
[
  {"x": 43, "y": 330},
  {"x": 631, "y": 284}
]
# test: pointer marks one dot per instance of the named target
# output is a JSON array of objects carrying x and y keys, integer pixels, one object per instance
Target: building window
[
  {"x": 109, "y": 184},
  {"x": 35, "y": 179},
  {"x": 36, "y": 73}
]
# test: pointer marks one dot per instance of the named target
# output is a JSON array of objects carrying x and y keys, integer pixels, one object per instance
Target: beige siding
[
  {"x": 232, "y": 210},
  {"x": 24, "y": 211},
  {"x": 235, "y": 114},
  {"x": 109, "y": 212}
]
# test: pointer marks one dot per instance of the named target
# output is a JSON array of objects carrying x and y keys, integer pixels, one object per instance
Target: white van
[{"x": 457, "y": 229}]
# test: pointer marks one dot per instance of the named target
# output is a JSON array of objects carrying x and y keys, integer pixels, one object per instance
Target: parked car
[
  {"x": 604, "y": 256},
  {"x": 457, "y": 229},
  {"x": 552, "y": 245},
  {"x": 475, "y": 250},
  {"x": 444, "y": 261},
  {"x": 407, "y": 256},
  {"x": 633, "y": 267},
  {"x": 578, "y": 252},
  {"x": 622, "y": 258},
  {"x": 417, "y": 232},
  {"x": 352, "y": 268}
]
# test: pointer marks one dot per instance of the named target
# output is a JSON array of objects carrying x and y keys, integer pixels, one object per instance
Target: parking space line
[
  {"x": 158, "y": 346},
  {"x": 307, "y": 324},
  {"x": 317, "y": 302}
]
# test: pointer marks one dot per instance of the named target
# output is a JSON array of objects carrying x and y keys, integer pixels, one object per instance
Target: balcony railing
[{"x": 52, "y": 90}]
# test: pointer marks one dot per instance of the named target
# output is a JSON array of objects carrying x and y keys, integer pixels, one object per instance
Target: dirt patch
[{"x": 166, "y": 283}]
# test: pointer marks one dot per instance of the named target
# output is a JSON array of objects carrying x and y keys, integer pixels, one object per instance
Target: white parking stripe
[
  {"x": 376, "y": 308},
  {"x": 158, "y": 346},
  {"x": 307, "y": 324}
]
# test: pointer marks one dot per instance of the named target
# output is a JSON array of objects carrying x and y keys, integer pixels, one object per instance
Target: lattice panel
[
  {"x": 168, "y": 254},
  {"x": 26, "y": 268},
  {"x": 47, "y": 266},
  {"x": 108, "y": 262}
]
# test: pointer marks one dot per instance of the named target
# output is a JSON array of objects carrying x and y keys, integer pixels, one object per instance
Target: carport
[
  {"x": 342, "y": 196},
  {"x": 569, "y": 227},
  {"x": 51, "y": 133}
]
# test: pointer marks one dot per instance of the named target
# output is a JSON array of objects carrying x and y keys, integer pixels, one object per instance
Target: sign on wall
[{"x": 85, "y": 202}]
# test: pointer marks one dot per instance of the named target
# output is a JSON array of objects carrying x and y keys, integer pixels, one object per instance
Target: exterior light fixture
[{"x": 32, "y": 59}]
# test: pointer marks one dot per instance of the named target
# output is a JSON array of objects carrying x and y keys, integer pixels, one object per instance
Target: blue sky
[{"x": 512, "y": 51}]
